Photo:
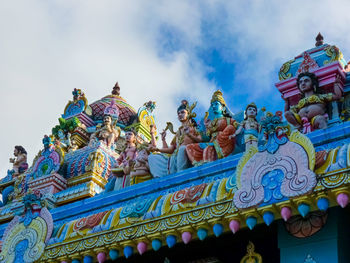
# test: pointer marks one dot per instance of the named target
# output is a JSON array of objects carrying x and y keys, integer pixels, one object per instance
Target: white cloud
[
  {"x": 47, "y": 51},
  {"x": 49, "y": 48}
]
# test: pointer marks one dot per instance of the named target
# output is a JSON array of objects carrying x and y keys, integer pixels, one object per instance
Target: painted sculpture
[
  {"x": 106, "y": 133},
  {"x": 310, "y": 113},
  {"x": 281, "y": 169},
  {"x": 280, "y": 176},
  {"x": 20, "y": 164},
  {"x": 219, "y": 131},
  {"x": 250, "y": 127},
  {"x": 140, "y": 171},
  {"x": 126, "y": 161},
  {"x": 161, "y": 163},
  {"x": 26, "y": 236}
]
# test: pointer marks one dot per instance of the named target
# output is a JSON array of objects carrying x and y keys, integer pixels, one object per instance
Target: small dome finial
[
  {"x": 319, "y": 40},
  {"x": 116, "y": 89}
]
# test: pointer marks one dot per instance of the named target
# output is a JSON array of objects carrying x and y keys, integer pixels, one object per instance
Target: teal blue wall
[{"x": 330, "y": 245}]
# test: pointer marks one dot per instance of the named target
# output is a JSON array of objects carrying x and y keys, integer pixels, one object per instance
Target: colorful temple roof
[{"x": 101, "y": 189}]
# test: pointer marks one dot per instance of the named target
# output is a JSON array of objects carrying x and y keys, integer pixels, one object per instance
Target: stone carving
[
  {"x": 303, "y": 227},
  {"x": 20, "y": 164},
  {"x": 162, "y": 164},
  {"x": 310, "y": 112},
  {"x": 284, "y": 162},
  {"x": 250, "y": 127},
  {"x": 26, "y": 236},
  {"x": 251, "y": 256},
  {"x": 218, "y": 130}
]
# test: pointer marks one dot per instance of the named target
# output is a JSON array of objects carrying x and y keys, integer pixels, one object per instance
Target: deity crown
[{"x": 217, "y": 96}]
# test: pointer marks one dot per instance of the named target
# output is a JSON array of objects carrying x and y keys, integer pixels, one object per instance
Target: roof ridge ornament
[
  {"x": 319, "y": 40},
  {"x": 308, "y": 64},
  {"x": 116, "y": 89}
]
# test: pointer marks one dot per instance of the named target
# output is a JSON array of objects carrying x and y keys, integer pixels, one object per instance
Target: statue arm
[
  {"x": 337, "y": 90},
  {"x": 20, "y": 159},
  {"x": 170, "y": 149},
  {"x": 153, "y": 137},
  {"x": 164, "y": 143}
]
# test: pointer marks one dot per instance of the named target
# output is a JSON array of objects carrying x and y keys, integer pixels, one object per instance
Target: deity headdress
[
  {"x": 217, "y": 96},
  {"x": 250, "y": 105}
]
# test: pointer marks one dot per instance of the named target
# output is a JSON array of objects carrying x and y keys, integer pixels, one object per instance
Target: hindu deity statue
[
  {"x": 20, "y": 164},
  {"x": 219, "y": 131},
  {"x": 311, "y": 111},
  {"x": 140, "y": 171},
  {"x": 249, "y": 126},
  {"x": 63, "y": 140},
  {"x": 73, "y": 146},
  {"x": 126, "y": 160},
  {"x": 173, "y": 158},
  {"x": 106, "y": 133}
]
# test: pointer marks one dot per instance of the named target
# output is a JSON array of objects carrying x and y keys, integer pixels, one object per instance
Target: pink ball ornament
[
  {"x": 234, "y": 226},
  {"x": 342, "y": 199},
  {"x": 142, "y": 247},
  {"x": 286, "y": 213},
  {"x": 101, "y": 257},
  {"x": 186, "y": 237}
]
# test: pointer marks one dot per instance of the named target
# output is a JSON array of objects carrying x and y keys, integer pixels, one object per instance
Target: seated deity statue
[
  {"x": 173, "y": 158},
  {"x": 219, "y": 131},
  {"x": 20, "y": 164},
  {"x": 126, "y": 160},
  {"x": 140, "y": 171},
  {"x": 73, "y": 146},
  {"x": 106, "y": 133},
  {"x": 311, "y": 111},
  {"x": 250, "y": 127}
]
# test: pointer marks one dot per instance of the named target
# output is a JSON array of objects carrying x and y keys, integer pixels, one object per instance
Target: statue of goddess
[{"x": 249, "y": 126}]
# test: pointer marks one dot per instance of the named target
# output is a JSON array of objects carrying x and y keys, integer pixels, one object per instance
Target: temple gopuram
[{"x": 262, "y": 186}]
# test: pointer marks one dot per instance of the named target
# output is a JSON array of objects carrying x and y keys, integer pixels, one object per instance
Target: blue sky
[{"x": 158, "y": 50}]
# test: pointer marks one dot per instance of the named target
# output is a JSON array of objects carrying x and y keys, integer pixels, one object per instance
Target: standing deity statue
[
  {"x": 20, "y": 164},
  {"x": 106, "y": 133},
  {"x": 173, "y": 158},
  {"x": 311, "y": 111},
  {"x": 219, "y": 131},
  {"x": 126, "y": 161},
  {"x": 250, "y": 127}
]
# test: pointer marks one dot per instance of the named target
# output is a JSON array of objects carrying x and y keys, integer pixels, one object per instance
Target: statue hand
[
  {"x": 153, "y": 149},
  {"x": 152, "y": 129},
  {"x": 163, "y": 134},
  {"x": 232, "y": 136},
  {"x": 207, "y": 123},
  {"x": 12, "y": 160}
]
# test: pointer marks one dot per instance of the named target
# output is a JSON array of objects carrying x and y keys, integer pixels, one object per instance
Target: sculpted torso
[{"x": 311, "y": 111}]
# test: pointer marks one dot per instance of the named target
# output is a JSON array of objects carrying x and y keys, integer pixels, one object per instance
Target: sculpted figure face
[
  {"x": 60, "y": 134},
  {"x": 130, "y": 137},
  {"x": 305, "y": 84},
  {"x": 15, "y": 152},
  {"x": 251, "y": 112},
  {"x": 217, "y": 107},
  {"x": 107, "y": 120},
  {"x": 182, "y": 115}
]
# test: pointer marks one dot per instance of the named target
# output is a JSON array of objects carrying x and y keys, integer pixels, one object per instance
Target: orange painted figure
[{"x": 219, "y": 130}]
